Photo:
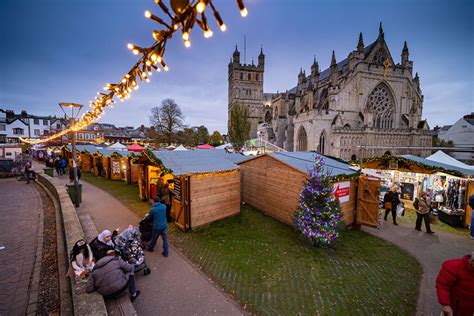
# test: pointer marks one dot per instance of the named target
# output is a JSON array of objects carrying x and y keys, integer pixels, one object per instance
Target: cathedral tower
[{"x": 245, "y": 87}]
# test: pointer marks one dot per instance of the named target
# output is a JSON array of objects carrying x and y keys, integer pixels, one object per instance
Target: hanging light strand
[{"x": 184, "y": 17}]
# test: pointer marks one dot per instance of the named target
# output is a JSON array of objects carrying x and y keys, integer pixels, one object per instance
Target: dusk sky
[{"x": 67, "y": 50}]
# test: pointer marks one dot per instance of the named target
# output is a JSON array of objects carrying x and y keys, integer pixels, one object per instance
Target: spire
[
  {"x": 333, "y": 60},
  {"x": 236, "y": 55},
  {"x": 405, "y": 49},
  {"x": 417, "y": 79},
  {"x": 301, "y": 71},
  {"x": 381, "y": 34},
  {"x": 360, "y": 44},
  {"x": 261, "y": 51},
  {"x": 236, "y": 50},
  {"x": 315, "y": 67},
  {"x": 261, "y": 58}
]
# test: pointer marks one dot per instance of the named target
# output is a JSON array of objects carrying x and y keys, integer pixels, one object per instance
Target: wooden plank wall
[
  {"x": 274, "y": 188},
  {"x": 214, "y": 197},
  {"x": 134, "y": 172},
  {"x": 115, "y": 175},
  {"x": 106, "y": 167},
  {"x": 86, "y": 162}
]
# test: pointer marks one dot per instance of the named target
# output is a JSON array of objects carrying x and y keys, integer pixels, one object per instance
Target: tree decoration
[
  {"x": 186, "y": 14},
  {"x": 318, "y": 215}
]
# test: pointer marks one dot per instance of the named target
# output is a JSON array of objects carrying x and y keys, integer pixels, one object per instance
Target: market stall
[
  {"x": 206, "y": 187},
  {"x": 448, "y": 186},
  {"x": 272, "y": 183}
]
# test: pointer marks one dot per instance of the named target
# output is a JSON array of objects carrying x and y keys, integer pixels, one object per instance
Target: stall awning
[
  {"x": 205, "y": 146},
  {"x": 441, "y": 156},
  {"x": 135, "y": 148}
]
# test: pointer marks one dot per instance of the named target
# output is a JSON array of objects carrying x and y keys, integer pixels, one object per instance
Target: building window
[
  {"x": 256, "y": 77},
  {"x": 37, "y": 132},
  {"x": 45, "y": 132},
  {"x": 3, "y": 127},
  {"x": 302, "y": 140},
  {"x": 45, "y": 122},
  {"x": 250, "y": 77},
  {"x": 322, "y": 143},
  {"x": 58, "y": 126},
  {"x": 36, "y": 121},
  {"x": 381, "y": 104},
  {"x": 18, "y": 131},
  {"x": 241, "y": 76}
]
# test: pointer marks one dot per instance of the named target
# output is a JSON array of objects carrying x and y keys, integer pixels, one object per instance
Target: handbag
[
  {"x": 388, "y": 205},
  {"x": 433, "y": 218}
]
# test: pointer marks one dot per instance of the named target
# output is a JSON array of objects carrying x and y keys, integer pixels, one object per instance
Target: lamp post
[{"x": 72, "y": 118}]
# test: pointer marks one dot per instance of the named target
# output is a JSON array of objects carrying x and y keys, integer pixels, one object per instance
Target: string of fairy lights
[{"x": 183, "y": 15}]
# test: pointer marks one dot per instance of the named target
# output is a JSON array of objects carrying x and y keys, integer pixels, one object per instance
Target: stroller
[
  {"x": 131, "y": 250},
  {"x": 146, "y": 228}
]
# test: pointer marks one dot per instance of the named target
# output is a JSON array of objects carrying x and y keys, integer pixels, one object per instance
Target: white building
[{"x": 461, "y": 134}]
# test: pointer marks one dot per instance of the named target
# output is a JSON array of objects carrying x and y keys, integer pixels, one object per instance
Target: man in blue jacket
[{"x": 157, "y": 214}]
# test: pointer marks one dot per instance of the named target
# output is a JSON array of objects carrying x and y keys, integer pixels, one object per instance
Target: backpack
[{"x": 416, "y": 204}]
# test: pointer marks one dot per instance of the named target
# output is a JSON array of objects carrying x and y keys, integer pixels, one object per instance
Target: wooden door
[
  {"x": 181, "y": 202},
  {"x": 469, "y": 210},
  {"x": 368, "y": 201}
]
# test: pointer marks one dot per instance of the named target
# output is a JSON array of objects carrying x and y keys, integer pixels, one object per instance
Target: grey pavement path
[
  {"x": 20, "y": 208},
  {"x": 430, "y": 251},
  {"x": 174, "y": 287}
]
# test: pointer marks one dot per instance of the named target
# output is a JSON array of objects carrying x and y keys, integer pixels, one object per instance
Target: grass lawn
[
  {"x": 271, "y": 270},
  {"x": 410, "y": 218}
]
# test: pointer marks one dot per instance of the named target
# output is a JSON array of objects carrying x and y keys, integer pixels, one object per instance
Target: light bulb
[
  {"x": 223, "y": 27},
  {"x": 154, "y": 57},
  {"x": 167, "y": 68},
  {"x": 147, "y": 80},
  {"x": 148, "y": 63},
  {"x": 185, "y": 36},
  {"x": 244, "y": 12},
  {"x": 158, "y": 59},
  {"x": 200, "y": 7},
  {"x": 147, "y": 14},
  {"x": 136, "y": 87},
  {"x": 208, "y": 33},
  {"x": 150, "y": 73},
  {"x": 130, "y": 46},
  {"x": 136, "y": 51},
  {"x": 187, "y": 43}
]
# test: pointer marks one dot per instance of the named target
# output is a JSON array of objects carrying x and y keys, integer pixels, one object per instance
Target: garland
[
  {"x": 148, "y": 154},
  {"x": 406, "y": 163}
]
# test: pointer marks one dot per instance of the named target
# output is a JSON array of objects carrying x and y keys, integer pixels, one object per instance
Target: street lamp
[{"x": 72, "y": 118}]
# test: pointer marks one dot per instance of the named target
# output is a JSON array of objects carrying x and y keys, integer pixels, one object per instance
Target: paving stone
[{"x": 19, "y": 209}]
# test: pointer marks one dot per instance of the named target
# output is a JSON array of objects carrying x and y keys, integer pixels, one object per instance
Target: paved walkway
[
  {"x": 20, "y": 208},
  {"x": 430, "y": 251},
  {"x": 174, "y": 287}
]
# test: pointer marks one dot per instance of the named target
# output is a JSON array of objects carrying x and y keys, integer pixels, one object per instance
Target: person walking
[
  {"x": 157, "y": 214},
  {"x": 423, "y": 213},
  {"x": 111, "y": 277},
  {"x": 98, "y": 165},
  {"x": 471, "y": 204},
  {"x": 63, "y": 164},
  {"x": 391, "y": 201},
  {"x": 57, "y": 165},
  {"x": 455, "y": 286},
  {"x": 167, "y": 199}
]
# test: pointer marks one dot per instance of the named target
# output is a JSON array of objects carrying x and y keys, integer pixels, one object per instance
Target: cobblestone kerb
[{"x": 84, "y": 303}]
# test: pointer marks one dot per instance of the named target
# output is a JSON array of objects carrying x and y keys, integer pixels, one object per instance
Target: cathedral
[{"x": 363, "y": 106}]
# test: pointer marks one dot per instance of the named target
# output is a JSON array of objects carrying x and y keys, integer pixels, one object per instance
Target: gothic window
[
  {"x": 250, "y": 77},
  {"x": 256, "y": 77},
  {"x": 380, "y": 57},
  {"x": 241, "y": 76},
  {"x": 302, "y": 140},
  {"x": 275, "y": 115},
  {"x": 382, "y": 105},
  {"x": 322, "y": 143}
]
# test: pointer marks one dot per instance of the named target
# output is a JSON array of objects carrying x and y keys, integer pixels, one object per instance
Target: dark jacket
[
  {"x": 99, "y": 249},
  {"x": 393, "y": 198},
  {"x": 109, "y": 276},
  {"x": 157, "y": 214},
  {"x": 455, "y": 286}
]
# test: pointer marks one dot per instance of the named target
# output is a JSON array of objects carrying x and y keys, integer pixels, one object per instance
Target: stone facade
[{"x": 363, "y": 106}]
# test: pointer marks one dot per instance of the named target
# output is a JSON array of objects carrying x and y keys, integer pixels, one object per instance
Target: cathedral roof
[{"x": 340, "y": 65}]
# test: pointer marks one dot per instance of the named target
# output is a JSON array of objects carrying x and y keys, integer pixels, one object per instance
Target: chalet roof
[
  {"x": 108, "y": 152},
  {"x": 303, "y": 162},
  {"x": 195, "y": 161},
  {"x": 447, "y": 167},
  {"x": 89, "y": 148}
]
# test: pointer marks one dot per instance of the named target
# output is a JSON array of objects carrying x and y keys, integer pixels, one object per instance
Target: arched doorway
[
  {"x": 387, "y": 153},
  {"x": 268, "y": 117},
  {"x": 302, "y": 140},
  {"x": 353, "y": 157}
]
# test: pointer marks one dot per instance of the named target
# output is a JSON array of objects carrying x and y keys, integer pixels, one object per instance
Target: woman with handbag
[
  {"x": 390, "y": 202},
  {"x": 423, "y": 213}
]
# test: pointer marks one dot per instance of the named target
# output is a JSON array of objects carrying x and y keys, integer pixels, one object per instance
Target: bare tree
[
  {"x": 239, "y": 126},
  {"x": 167, "y": 119}
]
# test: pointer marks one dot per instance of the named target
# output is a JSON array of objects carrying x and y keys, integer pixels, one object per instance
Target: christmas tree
[{"x": 318, "y": 215}]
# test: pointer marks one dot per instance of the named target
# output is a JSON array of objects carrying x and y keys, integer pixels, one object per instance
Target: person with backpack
[
  {"x": 391, "y": 201},
  {"x": 422, "y": 207}
]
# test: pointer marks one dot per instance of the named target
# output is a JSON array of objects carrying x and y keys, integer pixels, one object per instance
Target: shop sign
[
  {"x": 393, "y": 164},
  {"x": 342, "y": 191},
  {"x": 115, "y": 167}
]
